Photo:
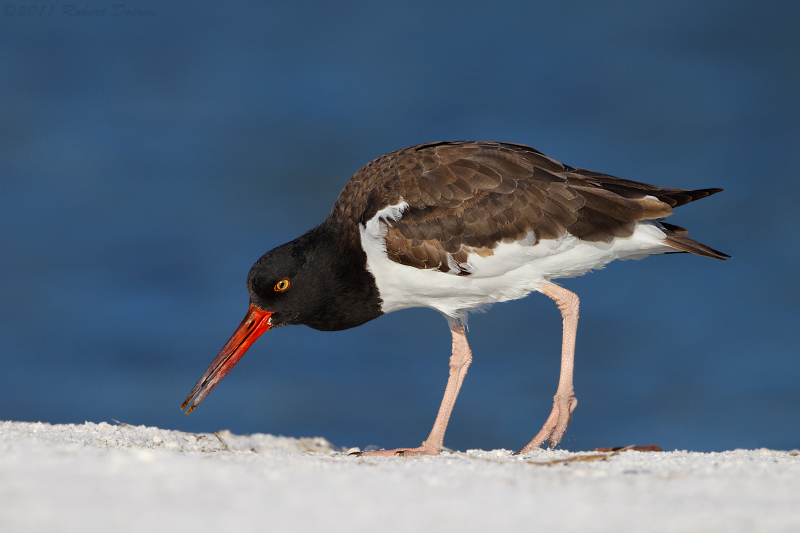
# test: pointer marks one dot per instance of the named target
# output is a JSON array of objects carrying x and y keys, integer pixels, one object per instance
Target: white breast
[{"x": 511, "y": 272}]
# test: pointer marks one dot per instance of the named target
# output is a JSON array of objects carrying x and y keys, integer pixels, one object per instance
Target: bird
[{"x": 456, "y": 227}]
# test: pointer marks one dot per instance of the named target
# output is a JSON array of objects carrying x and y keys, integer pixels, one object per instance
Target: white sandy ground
[{"x": 119, "y": 478}]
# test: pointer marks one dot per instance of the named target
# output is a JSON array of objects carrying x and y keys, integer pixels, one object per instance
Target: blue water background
[{"x": 147, "y": 161}]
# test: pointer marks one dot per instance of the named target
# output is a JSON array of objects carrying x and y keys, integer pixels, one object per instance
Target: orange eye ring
[{"x": 282, "y": 285}]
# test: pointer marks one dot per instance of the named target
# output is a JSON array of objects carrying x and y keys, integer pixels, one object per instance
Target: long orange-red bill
[{"x": 254, "y": 324}]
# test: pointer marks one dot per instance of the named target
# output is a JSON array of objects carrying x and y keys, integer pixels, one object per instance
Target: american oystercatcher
[{"x": 455, "y": 226}]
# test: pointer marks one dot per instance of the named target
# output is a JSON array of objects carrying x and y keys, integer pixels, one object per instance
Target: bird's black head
[
  {"x": 317, "y": 280},
  {"x": 286, "y": 283}
]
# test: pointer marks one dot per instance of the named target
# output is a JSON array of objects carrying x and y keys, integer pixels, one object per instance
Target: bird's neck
[{"x": 348, "y": 295}]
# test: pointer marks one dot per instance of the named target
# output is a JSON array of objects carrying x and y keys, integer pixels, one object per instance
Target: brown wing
[{"x": 466, "y": 197}]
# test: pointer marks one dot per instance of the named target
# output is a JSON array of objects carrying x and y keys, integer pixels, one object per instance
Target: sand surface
[{"x": 105, "y": 477}]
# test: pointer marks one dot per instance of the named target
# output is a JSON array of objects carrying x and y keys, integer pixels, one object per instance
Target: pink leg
[
  {"x": 564, "y": 402},
  {"x": 459, "y": 362}
]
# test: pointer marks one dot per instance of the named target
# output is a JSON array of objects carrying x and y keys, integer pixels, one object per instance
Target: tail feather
[
  {"x": 676, "y": 235},
  {"x": 685, "y": 244},
  {"x": 667, "y": 198}
]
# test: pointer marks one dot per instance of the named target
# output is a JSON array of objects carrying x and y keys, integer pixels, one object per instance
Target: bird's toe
[
  {"x": 425, "y": 449},
  {"x": 556, "y": 424}
]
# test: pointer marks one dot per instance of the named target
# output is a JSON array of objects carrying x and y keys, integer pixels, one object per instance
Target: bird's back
[{"x": 468, "y": 197}]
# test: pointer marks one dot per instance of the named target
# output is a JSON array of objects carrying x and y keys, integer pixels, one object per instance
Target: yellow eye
[{"x": 282, "y": 285}]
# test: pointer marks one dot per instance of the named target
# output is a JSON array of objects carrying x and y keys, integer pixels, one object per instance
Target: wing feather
[{"x": 470, "y": 196}]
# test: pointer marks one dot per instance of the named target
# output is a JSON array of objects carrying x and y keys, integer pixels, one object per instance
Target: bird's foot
[
  {"x": 425, "y": 449},
  {"x": 556, "y": 425}
]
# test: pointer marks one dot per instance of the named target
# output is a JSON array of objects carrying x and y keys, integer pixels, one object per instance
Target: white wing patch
[{"x": 376, "y": 227}]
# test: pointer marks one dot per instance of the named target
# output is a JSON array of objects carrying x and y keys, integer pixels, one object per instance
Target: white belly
[{"x": 512, "y": 271}]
